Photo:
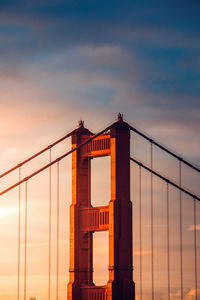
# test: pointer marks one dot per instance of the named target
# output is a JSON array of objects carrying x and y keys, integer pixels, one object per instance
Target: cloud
[
  {"x": 33, "y": 28},
  {"x": 110, "y": 65}
]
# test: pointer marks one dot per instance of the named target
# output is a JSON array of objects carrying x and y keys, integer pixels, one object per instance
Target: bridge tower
[{"x": 116, "y": 217}]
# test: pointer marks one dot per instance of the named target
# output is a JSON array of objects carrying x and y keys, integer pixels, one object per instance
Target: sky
[{"x": 62, "y": 61}]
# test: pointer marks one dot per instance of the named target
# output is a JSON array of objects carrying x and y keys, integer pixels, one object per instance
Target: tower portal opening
[
  {"x": 100, "y": 181},
  {"x": 100, "y": 257}
]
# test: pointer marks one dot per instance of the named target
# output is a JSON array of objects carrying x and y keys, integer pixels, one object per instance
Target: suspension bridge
[{"x": 164, "y": 260}]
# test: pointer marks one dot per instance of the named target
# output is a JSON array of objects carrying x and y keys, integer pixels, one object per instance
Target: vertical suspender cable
[
  {"x": 19, "y": 238},
  {"x": 25, "y": 242},
  {"x": 181, "y": 234},
  {"x": 140, "y": 228},
  {"x": 152, "y": 246},
  {"x": 168, "y": 249},
  {"x": 49, "y": 283},
  {"x": 195, "y": 250},
  {"x": 58, "y": 215}
]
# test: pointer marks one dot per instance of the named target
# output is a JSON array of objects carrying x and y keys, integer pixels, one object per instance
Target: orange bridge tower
[{"x": 116, "y": 217}]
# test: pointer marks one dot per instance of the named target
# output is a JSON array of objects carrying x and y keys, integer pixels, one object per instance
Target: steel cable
[
  {"x": 58, "y": 217},
  {"x": 164, "y": 148},
  {"x": 25, "y": 239},
  {"x": 36, "y": 154},
  {"x": 181, "y": 234},
  {"x": 152, "y": 232},
  {"x": 140, "y": 228},
  {"x": 195, "y": 251},
  {"x": 168, "y": 245},
  {"x": 165, "y": 179},
  {"x": 19, "y": 237},
  {"x": 55, "y": 161},
  {"x": 49, "y": 277}
]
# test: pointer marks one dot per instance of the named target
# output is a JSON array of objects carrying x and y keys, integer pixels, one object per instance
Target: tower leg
[{"x": 120, "y": 285}]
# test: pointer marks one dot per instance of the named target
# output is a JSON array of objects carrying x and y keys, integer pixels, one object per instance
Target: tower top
[
  {"x": 81, "y": 124},
  {"x": 120, "y": 117}
]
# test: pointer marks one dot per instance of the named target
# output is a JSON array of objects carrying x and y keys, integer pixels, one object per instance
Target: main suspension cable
[
  {"x": 165, "y": 179},
  {"x": 58, "y": 220},
  {"x": 70, "y": 133},
  {"x": 19, "y": 236},
  {"x": 164, "y": 148},
  {"x": 25, "y": 238},
  {"x": 140, "y": 227},
  {"x": 36, "y": 154},
  {"x": 56, "y": 160}
]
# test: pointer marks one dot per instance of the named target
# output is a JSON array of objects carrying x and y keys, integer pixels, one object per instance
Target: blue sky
[
  {"x": 81, "y": 57},
  {"x": 65, "y": 60}
]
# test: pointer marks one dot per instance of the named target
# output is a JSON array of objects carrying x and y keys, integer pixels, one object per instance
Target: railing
[
  {"x": 93, "y": 293},
  {"x": 100, "y": 146},
  {"x": 95, "y": 218}
]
